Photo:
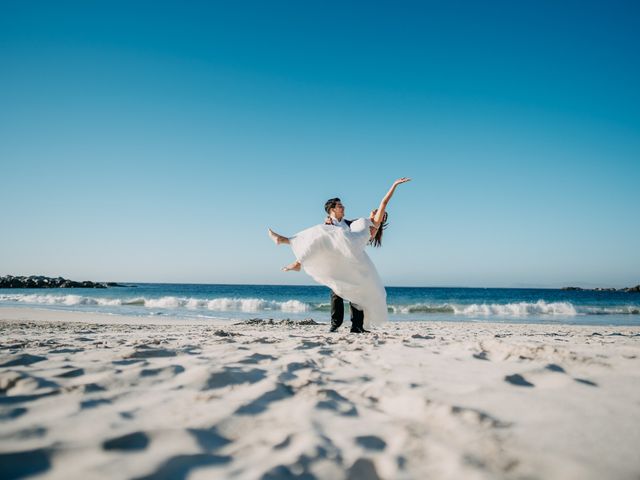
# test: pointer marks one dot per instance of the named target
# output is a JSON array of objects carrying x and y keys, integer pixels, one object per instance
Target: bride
[{"x": 335, "y": 257}]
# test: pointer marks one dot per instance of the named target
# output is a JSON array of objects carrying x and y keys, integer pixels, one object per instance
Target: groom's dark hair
[{"x": 331, "y": 203}]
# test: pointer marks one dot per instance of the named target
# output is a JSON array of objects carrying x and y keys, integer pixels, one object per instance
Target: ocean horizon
[{"x": 297, "y": 302}]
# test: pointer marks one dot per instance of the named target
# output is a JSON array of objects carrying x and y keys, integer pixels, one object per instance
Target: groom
[{"x": 335, "y": 212}]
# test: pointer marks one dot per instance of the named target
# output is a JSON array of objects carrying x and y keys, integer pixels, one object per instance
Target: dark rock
[
  {"x": 39, "y": 281},
  {"x": 635, "y": 289}
]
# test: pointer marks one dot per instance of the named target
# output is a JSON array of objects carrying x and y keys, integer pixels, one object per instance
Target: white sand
[{"x": 97, "y": 396}]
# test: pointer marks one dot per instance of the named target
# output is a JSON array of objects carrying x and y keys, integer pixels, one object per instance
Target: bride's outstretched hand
[{"x": 401, "y": 180}]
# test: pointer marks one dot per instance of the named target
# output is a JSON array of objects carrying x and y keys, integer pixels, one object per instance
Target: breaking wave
[
  {"x": 170, "y": 303},
  {"x": 516, "y": 309},
  {"x": 227, "y": 304},
  {"x": 422, "y": 308},
  {"x": 519, "y": 309}
]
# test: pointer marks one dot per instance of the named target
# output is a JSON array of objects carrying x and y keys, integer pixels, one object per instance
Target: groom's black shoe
[
  {"x": 333, "y": 329},
  {"x": 359, "y": 330}
]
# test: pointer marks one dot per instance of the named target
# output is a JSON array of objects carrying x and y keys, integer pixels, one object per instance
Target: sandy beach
[{"x": 105, "y": 396}]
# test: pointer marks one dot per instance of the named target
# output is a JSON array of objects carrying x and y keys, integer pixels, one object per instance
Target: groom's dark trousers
[{"x": 337, "y": 313}]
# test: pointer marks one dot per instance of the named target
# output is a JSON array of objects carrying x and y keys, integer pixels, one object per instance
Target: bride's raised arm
[{"x": 377, "y": 219}]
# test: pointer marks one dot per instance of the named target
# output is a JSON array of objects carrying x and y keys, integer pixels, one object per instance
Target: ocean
[{"x": 239, "y": 302}]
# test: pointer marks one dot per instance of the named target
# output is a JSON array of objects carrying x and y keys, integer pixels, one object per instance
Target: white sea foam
[
  {"x": 294, "y": 306},
  {"x": 68, "y": 300},
  {"x": 421, "y": 308},
  {"x": 621, "y": 310},
  {"x": 224, "y": 304},
  {"x": 168, "y": 302},
  {"x": 240, "y": 304},
  {"x": 164, "y": 302},
  {"x": 517, "y": 309}
]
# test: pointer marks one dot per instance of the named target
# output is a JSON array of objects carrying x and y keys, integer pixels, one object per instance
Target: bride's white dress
[{"x": 335, "y": 257}]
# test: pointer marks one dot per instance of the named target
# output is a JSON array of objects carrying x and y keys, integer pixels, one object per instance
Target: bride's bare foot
[
  {"x": 295, "y": 266},
  {"x": 277, "y": 239}
]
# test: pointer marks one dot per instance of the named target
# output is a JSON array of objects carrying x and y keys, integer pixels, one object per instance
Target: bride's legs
[
  {"x": 295, "y": 266},
  {"x": 278, "y": 239}
]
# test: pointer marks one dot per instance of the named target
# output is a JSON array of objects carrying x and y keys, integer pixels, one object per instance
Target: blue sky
[{"x": 156, "y": 141}]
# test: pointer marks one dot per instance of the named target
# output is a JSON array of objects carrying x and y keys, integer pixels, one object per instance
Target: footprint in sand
[
  {"x": 168, "y": 372},
  {"x": 86, "y": 404},
  {"x": 336, "y": 402},
  {"x": 234, "y": 376},
  {"x": 152, "y": 353},
  {"x": 555, "y": 368},
  {"x": 294, "y": 366},
  {"x": 75, "y": 372},
  {"x": 93, "y": 387},
  {"x": 363, "y": 468},
  {"x": 478, "y": 417},
  {"x": 24, "y": 434},
  {"x": 257, "y": 358},
  {"x": 324, "y": 455},
  {"x": 25, "y": 398},
  {"x": 283, "y": 444},
  {"x": 307, "y": 344},
  {"x": 128, "y": 442},
  {"x": 208, "y": 439},
  {"x": 483, "y": 355},
  {"x": 67, "y": 350},
  {"x": 518, "y": 380},
  {"x": 584, "y": 381},
  {"x": 24, "y": 464},
  {"x": 128, "y": 361},
  {"x": 291, "y": 368},
  {"x": 22, "y": 360},
  {"x": 23, "y": 383},
  {"x": 371, "y": 442},
  {"x": 13, "y": 413},
  {"x": 180, "y": 466},
  {"x": 261, "y": 403}
]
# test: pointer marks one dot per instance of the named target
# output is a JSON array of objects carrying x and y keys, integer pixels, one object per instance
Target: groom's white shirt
[{"x": 339, "y": 223}]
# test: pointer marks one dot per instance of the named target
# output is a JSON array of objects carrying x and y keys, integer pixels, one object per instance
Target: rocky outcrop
[
  {"x": 635, "y": 289},
  {"x": 39, "y": 281}
]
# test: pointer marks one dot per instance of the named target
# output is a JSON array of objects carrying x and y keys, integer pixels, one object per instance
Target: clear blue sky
[{"x": 157, "y": 141}]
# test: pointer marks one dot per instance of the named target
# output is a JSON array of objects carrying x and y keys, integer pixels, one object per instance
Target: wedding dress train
[{"x": 335, "y": 257}]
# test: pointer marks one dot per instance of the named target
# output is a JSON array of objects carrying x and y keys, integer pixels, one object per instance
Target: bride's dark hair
[{"x": 377, "y": 240}]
